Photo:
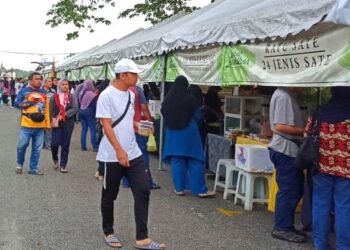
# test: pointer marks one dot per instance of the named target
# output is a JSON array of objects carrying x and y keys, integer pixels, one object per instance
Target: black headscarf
[
  {"x": 104, "y": 85},
  {"x": 196, "y": 91},
  {"x": 146, "y": 91},
  {"x": 178, "y": 106},
  {"x": 154, "y": 91},
  {"x": 338, "y": 108},
  {"x": 212, "y": 98}
]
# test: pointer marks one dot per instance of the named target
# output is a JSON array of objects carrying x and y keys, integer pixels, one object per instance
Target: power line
[{"x": 32, "y": 53}]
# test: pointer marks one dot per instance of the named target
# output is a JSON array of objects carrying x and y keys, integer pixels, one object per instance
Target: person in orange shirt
[{"x": 34, "y": 105}]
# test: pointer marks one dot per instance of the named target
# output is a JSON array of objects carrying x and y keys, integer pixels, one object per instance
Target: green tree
[
  {"x": 82, "y": 13},
  {"x": 157, "y": 10}
]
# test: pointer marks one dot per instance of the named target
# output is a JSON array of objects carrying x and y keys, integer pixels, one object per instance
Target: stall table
[{"x": 217, "y": 147}]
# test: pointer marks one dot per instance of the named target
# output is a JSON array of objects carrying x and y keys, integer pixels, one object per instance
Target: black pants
[
  {"x": 61, "y": 136},
  {"x": 5, "y": 99},
  {"x": 139, "y": 184},
  {"x": 13, "y": 99}
]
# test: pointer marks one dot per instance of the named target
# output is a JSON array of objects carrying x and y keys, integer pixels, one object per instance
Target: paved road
[{"x": 61, "y": 211}]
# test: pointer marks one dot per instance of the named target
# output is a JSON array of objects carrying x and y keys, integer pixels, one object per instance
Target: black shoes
[
  {"x": 155, "y": 186},
  {"x": 294, "y": 237}
]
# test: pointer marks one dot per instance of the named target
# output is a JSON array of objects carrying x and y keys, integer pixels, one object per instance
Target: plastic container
[{"x": 253, "y": 158}]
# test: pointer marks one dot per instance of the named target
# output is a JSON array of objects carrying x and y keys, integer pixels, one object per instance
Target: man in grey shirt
[{"x": 287, "y": 123}]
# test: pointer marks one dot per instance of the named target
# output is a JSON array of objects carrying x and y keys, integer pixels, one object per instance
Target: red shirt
[{"x": 137, "y": 106}]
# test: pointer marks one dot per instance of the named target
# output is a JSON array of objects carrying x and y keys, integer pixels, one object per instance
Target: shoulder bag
[
  {"x": 116, "y": 122},
  {"x": 308, "y": 153}
]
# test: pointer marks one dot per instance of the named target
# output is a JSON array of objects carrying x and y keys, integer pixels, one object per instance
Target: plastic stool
[
  {"x": 229, "y": 165},
  {"x": 247, "y": 196}
]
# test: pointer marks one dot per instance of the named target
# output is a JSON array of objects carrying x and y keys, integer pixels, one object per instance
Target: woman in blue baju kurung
[{"x": 183, "y": 146}]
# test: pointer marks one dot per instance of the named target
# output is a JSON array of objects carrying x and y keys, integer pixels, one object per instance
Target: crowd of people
[
  {"x": 114, "y": 110},
  {"x": 9, "y": 89}
]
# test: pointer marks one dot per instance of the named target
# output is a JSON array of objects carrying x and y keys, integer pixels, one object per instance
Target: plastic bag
[{"x": 151, "y": 144}]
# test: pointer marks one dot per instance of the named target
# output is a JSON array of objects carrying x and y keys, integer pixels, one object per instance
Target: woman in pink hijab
[{"x": 87, "y": 113}]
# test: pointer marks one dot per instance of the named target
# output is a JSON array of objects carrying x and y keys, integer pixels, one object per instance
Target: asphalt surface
[{"x": 61, "y": 211}]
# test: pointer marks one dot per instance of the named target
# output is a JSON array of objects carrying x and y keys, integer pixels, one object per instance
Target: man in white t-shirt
[{"x": 121, "y": 155}]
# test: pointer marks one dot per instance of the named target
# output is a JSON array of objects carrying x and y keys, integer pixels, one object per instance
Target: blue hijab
[{"x": 338, "y": 108}]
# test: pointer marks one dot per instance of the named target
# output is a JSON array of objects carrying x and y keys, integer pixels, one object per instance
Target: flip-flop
[
  {"x": 97, "y": 174},
  {"x": 112, "y": 239},
  {"x": 151, "y": 246}
]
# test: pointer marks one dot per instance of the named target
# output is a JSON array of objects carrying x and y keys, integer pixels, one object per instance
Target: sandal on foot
[
  {"x": 208, "y": 194},
  {"x": 179, "y": 193},
  {"x": 35, "y": 172},
  {"x": 111, "y": 240},
  {"x": 151, "y": 246},
  {"x": 18, "y": 170},
  {"x": 97, "y": 174}
]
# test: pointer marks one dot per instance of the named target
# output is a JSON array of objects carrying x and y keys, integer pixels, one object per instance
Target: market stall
[{"x": 266, "y": 43}]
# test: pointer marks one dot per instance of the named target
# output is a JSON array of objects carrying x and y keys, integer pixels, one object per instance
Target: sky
[{"x": 23, "y": 29}]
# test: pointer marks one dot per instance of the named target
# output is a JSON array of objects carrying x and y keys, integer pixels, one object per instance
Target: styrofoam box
[
  {"x": 154, "y": 107},
  {"x": 253, "y": 158}
]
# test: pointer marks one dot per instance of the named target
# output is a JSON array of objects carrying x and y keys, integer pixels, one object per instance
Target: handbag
[
  {"x": 55, "y": 121},
  {"x": 308, "y": 153}
]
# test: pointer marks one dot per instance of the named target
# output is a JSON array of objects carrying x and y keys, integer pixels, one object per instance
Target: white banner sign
[
  {"x": 319, "y": 57},
  {"x": 151, "y": 69},
  {"x": 198, "y": 65}
]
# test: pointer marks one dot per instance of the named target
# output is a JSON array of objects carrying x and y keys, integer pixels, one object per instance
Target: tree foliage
[
  {"x": 157, "y": 10},
  {"x": 81, "y": 13}
]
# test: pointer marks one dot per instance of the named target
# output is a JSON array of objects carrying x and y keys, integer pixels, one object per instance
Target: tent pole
[
  {"x": 319, "y": 97},
  {"x": 160, "y": 149},
  {"x": 106, "y": 71}
]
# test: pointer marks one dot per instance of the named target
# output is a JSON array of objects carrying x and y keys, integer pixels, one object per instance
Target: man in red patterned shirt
[{"x": 331, "y": 185}]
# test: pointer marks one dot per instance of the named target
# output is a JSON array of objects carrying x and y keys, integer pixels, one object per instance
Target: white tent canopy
[
  {"x": 231, "y": 21},
  {"x": 110, "y": 52},
  {"x": 225, "y": 22},
  {"x": 71, "y": 62}
]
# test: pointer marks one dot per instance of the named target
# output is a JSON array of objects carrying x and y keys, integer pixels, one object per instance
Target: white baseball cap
[{"x": 126, "y": 65}]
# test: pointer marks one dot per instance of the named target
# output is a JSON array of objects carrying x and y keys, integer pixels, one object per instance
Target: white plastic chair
[
  {"x": 247, "y": 194},
  {"x": 230, "y": 168}
]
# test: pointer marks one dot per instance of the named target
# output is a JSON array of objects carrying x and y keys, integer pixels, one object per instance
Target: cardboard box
[{"x": 253, "y": 158}]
